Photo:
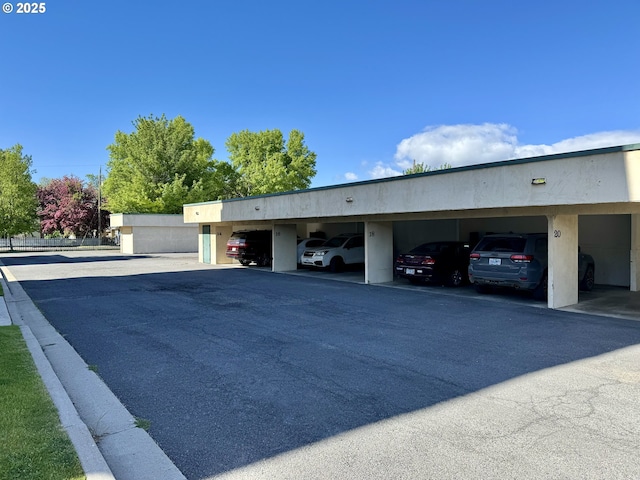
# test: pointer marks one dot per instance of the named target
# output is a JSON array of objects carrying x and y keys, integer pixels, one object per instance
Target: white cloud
[
  {"x": 381, "y": 170},
  {"x": 592, "y": 140},
  {"x": 350, "y": 177},
  {"x": 460, "y": 145},
  {"x": 457, "y": 145}
]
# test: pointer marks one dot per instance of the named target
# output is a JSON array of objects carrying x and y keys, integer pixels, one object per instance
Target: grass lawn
[{"x": 33, "y": 444}]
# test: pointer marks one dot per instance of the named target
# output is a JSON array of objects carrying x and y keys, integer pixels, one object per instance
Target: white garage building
[
  {"x": 588, "y": 198},
  {"x": 154, "y": 233}
]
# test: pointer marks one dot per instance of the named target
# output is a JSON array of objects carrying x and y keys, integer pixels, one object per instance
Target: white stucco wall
[
  {"x": 563, "y": 260},
  {"x": 126, "y": 239},
  {"x": 165, "y": 240},
  {"x": 589, "y": 179},
  {"x": 155, "y": 233},
  {"x": 147, "y": 220}
]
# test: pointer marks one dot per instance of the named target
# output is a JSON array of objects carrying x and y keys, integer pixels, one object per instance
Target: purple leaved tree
[{"x": 69, "y": 206}]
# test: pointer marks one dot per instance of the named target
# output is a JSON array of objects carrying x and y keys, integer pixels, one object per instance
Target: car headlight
[{"x": 322, "y": 252}]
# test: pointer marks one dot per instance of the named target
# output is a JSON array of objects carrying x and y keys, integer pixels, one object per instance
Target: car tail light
[
  {"x": 474, "y": 256},
  {"x": 399, "y": 259},
  {"x": 428, "y": 261},
  {"x": 521, "y": 258}
]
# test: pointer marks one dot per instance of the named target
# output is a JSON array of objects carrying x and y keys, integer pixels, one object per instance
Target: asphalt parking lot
[{"x": 248, "y": 374}]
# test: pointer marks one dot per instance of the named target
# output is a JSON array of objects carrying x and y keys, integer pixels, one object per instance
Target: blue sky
[{"x": 372, "y": 84}]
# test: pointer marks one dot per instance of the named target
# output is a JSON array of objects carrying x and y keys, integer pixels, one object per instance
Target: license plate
[
  {"x": 410, "y": 271},
  {"x": 234, "y": 249},
  {"x": 495, "y": 261}
]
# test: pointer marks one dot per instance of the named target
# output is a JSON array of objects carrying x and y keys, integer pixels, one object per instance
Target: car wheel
[
  {"x": 542, "y": 290},
  {"x": 455, "y": 278},
  {"x": 263, "y": 260},
  {"x": 245, "y": 262},
  {"x": 336, "y": 264},
  {"x": 588, "y": 280}
]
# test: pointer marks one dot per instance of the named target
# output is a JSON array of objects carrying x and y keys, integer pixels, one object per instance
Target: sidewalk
[{"x": 108, "y": 443}]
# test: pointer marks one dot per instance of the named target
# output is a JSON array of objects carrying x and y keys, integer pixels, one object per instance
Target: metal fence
[{"x": 36, "y": 244}]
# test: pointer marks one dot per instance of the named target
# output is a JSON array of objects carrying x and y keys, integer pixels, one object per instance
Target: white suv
[{"x": 335, "y": 253}]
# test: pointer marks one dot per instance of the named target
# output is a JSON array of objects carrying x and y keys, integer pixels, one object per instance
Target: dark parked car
[
  {"x": 520, "y": 261},
  {"x": 251, "y": 246},
  {"x": 444, "y": 262}
]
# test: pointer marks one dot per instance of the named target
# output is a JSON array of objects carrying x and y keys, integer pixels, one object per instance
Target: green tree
[
  {"x": 422, "y": 168},
  {"x": 264, "y": 163},
  {"x": 18, "y": 202},
  {"x": 159, "y": 167}
]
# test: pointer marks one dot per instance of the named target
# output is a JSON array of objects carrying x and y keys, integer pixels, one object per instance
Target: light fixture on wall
[
  {"x": 538, "y": 181},
  {"x": 349, "y": 199}
]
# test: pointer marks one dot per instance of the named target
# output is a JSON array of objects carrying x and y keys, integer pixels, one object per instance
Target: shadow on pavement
[
  {"x": 238, "y": 365},
  {"x": 28, "y": 259}
]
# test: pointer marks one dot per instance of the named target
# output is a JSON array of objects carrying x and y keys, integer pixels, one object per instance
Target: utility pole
[{"x": 99, "y": 209}]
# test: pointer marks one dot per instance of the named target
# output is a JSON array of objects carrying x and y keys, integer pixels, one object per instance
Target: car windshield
[
  {"x": 502, "y": 244},
  {"x": 335, "y": 242}
]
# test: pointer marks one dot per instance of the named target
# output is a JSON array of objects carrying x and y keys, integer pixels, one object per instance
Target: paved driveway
[{"x": 248, "y": 374}]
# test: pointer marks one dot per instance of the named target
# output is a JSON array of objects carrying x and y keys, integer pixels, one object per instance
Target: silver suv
[
  {"x": 335, "y": 253},
  {"x": 519, "y": 261}
]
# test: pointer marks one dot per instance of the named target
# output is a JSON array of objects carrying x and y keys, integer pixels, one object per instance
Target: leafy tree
[
  {"x": 159, "y": 167},
  {"x": 264, "y": 163},
  {"x": 69, "y": 206},
  {"x": 422, "y": 168},
  {"x": 94, "y": 180},
  {"x": 18, "y": 203}
]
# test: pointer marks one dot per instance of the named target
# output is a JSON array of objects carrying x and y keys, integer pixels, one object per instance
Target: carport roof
[{"x": 603, "y": 180}]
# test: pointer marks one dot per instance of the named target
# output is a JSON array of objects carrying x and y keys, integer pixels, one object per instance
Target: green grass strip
[{"x": 33, "y": 444}]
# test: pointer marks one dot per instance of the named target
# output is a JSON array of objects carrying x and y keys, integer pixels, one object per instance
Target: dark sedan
[{"x": 443, "y": 262}]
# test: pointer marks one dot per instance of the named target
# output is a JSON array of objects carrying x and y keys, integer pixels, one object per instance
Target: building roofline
[
  {"x": 500, "y": 163},
  {"x": 149, "y": 214}
]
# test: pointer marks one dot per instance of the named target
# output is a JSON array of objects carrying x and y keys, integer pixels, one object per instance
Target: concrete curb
[
  {"x": 5, "y": 319},
  {"x": 93, "y": 463},
  {"x": 88, "y": 409}
]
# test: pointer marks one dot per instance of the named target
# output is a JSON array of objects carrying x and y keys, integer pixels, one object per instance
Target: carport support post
[
  {"x": 563, "y": 260},
  {"x": 219, "y": 237},
  {"x": 284, "y": 248},
  {"x": 635, "y": 253},
  {"x": 378, "y": 252}
]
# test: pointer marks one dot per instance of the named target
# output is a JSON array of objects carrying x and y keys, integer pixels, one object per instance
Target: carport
[{"x": 566, "y": 194}]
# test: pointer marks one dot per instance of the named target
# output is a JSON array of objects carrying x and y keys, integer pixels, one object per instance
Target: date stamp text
[{"x": 24, "y": 7}]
